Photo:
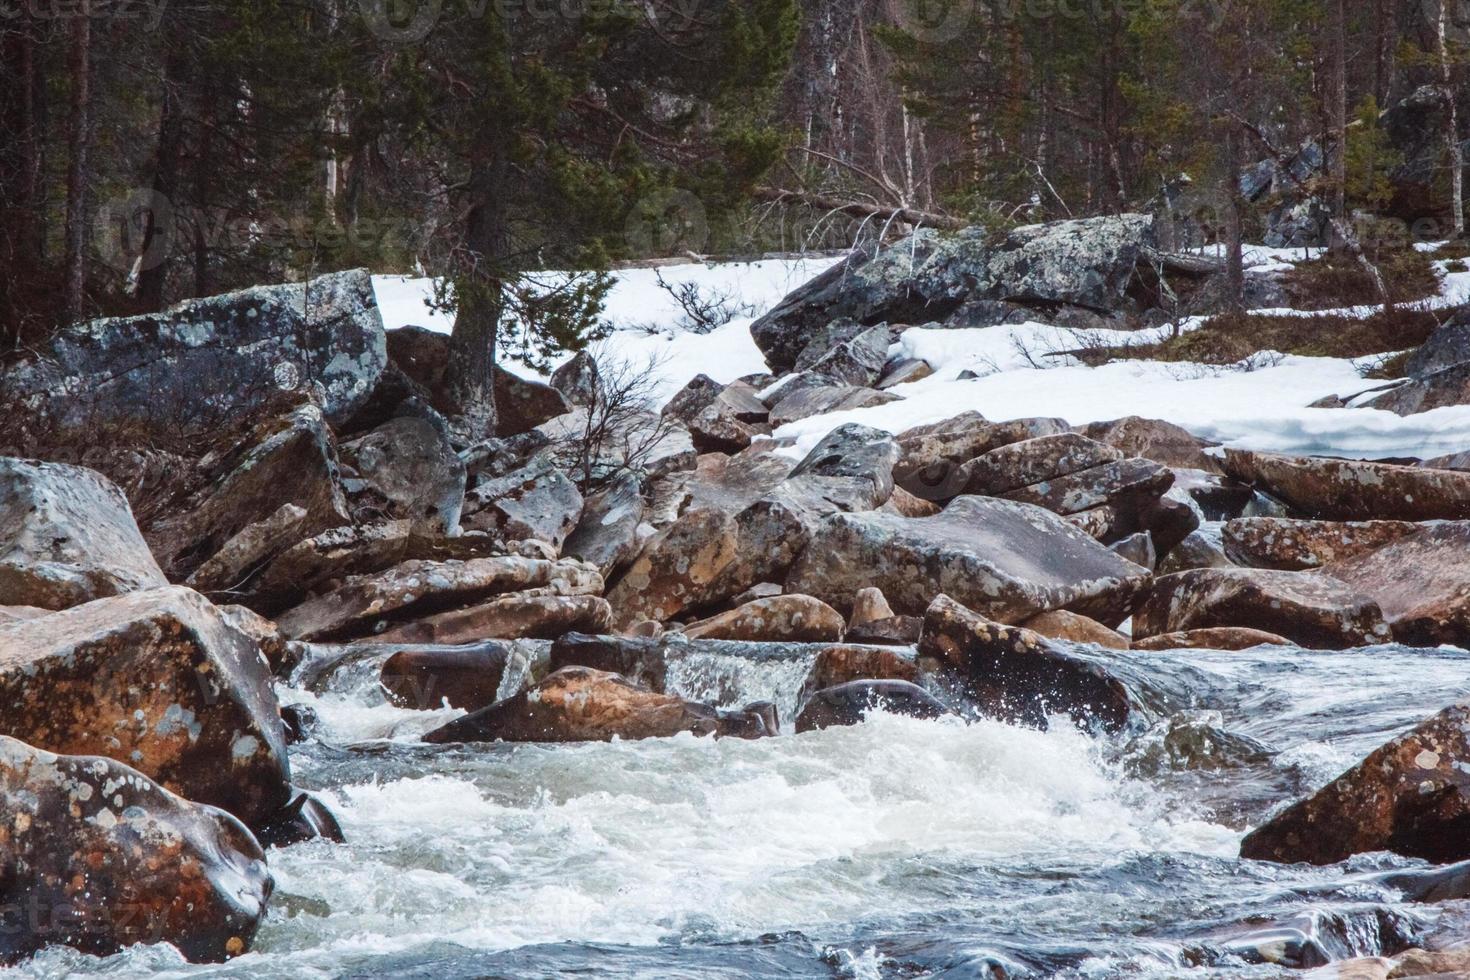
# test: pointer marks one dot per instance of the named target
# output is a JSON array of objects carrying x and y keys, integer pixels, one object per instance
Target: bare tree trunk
[
  {"x": 479, "y": 299},
  {"x": 80, "y": 140},
  {"x": 1337, "y": 105},
  {"x": 1234, "y": 223},
  {"x": 1452, "y": 120},
  {"x": 154, "y": 274}
]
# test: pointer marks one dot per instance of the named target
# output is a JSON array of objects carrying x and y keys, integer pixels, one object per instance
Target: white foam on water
[{"x": 733, "y": 682}]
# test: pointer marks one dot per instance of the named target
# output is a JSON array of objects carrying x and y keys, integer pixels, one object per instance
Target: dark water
[{"x": 899, "y": 848}]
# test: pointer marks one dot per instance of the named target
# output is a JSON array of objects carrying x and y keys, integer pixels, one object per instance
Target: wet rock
[
  {"x": 157, "y": 680},
  {"x": 1010, "y": 560},
  {"x": 304, "y": 818},
  {"x": 259, "y": 630},
  {"x": 410, "y": 463},
  {"x": 299, "y": 722},
  {"x": 1294, "y": 545},
  {"x": 522, "y": 404},
  {"x": 850, "y": 704},
  {"x": 291, "y": 459},
  {"x": 1022, "y": 464},
  {"x": 466, "y": 676},
  {"x": 213, "y": 359},
  {"x": 1217, "y": 638},
  {"x": 99, "y": 857},
  {"x": 784, "y": 618},
  {"x": 1408, "y": 796},
  {"x": 418, "y": 588},
  {"x": 1308, "y": 608},
  {"x": 512, "y": 617},
  {"x": 537, "y": 501},
  {"x": 868, "y": 605},
  {"x": 838, "y": 665},
  {"x": 578, "y": 704},
  {"x": 1354, "y": 490},
  {"x": 1162, "y": 442},
  {"x": 254, "y": 545},
  {"x": 606, "y": 534},
  {"x": 67, "y": 536},
  {"x": 1421, "y": 582},
  {"x": 1062, "y": 625},
  {"x": 1018, "y": 675},
  {"x": 807, "y": 402}
]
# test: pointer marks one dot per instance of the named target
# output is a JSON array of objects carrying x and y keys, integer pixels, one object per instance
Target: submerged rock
[
  {"x": 579, "y": 704},
  {"x": 465, "y": 676},
  {"x": 851, "y": 703},
  {"x": 100, "y": 857}
]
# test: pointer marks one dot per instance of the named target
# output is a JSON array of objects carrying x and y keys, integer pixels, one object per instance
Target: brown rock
[
  {"x": 1127, "y": 484},
  {"x": 1353, "y": 490},
  {"x": 783, "y": 618},
  {"x": 1294, "y": 545},
  {"x": 1162, "y": 442},
  {"x": 512, "y": 617},
  {"x": 1031, "y": 461},
  {"x": 1062, "y": 625},
  {"x": 67, "y": 536},
  {"x": 409, "y": 464},
  {"x": 905, "y": 504},
  {"x": 895, "y": 631},
  {"x": 578, "y": 704},
  {"x": 931, "y": 456},
  {"x": 1015, "y": 674},
  {"x": 844, "y": 664},
  {"x": 868, "y": 605},
  {"x": 157, "y": 680},
  {"x": 1421, "y": 582},
  {"x": 1218, "y": 638},
  {"x": 1409, "y": 796},
  {"x": 467, "y": 676},
  {"x": 99, "y": 857},
  {"x": 522, "y": 404},
  {"x": 16, "y": 614},
  {"x": 254, "y": 545},
  {"x": 1011, "y": 560},
  {"x": 850, "y": 704},
  {"x": 416, "y": 588},
  {"x": 1308, "y": 608},
  {"x": 820, "y": 401}
]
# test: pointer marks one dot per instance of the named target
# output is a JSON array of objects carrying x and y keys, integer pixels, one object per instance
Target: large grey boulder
[
  {"x": 606, "y": 534},
  {"x": 538, "y": 501},
  {"x": 213, "y": 359},
  {"x": 1006, "y": 560},
  {"x": 410, "y": 463},
  {"x": 1447, "y": 347},
  {"x": 67, "y": 536}
]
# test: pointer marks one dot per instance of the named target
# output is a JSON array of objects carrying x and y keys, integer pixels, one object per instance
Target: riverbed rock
[
  {"x": 932, "y": 457},
  {"x": 858, "y": 361},
  {"x": 159, "y": 681},
  {"x": 1022, "y": 464},
  {"x": 1410, "y": 796},
  {"x": 606, "y": 534},
  {"x": 1354, "y": 490},
  {"x": 851, "y": 703},
  {"x": 100, "y": 857},
  {"x": 806, "y": 402},
  {"x": 511, "y": 617},
  {"x": 579, "y": 704},
  {"x": 410, "y": 463},
  {"x": 538, "y": 501},
  {"x": 213, "y": 359},
  {"x": 783, "y": 618},
  {"x": 1296, "y": 545},
  {"x": 67, "y": 536},
  {"x": 1018, "y": 675},
  {"x": 250, "y": 548},
  {"x": 416, "y": 588},
  {"x": 1062, "y": 625},
  {"x": 1010, "y": 560},
  {"x": 1421, "y": 581},
  {"x": 466, "y": 676},
  {"x": 838, "y": 665},
  {"x": 1308, "y": 608},
  {"x": 896, "y": 631},
  {"x": 868, "y": 605},
  {"x": 286, "y": 459},
  {"x": 522, "y": 404},
  {"x": 1212, "y": 638}
]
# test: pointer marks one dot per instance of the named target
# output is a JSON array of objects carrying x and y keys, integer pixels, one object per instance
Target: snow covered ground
[{"x": 1262, "y": 406}]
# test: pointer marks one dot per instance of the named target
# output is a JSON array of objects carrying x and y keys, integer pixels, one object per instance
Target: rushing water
[{"x": 897, "y": 848}]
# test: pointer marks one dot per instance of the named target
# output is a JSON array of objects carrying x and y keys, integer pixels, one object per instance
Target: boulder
[
  {"x": 1127, "y": 486},
  {"x": 208, "y": 360},
  {"x": 1215, "y": 638},
  {"x": 304, "y": 818},
  {"x": 838, "y": 665},
  {"x": 868, "y": 605},
  {"x": 1062, "y": 625},
  {"x": 1308, "y": 608},
  {"x": 288, "y": 459},
  {"x": 1137, "y": 548},
  {"x": 851, "y": 468},
  {"x": 858, "y": 361},
  {"x": 1200, "y": 549},
  {"x": 898, "y": 631},
  {"x": 1354, "y": 490},
  {"x": 1421, "y": 581},
  {"x": 412, "y": 466},
  {"x": 254, "y": 545},
  {"x": 157, "y": 680},
  {"x": 806, "y": 402},
  {"x": 1448, "y": 347},
  {"x": 720, "y": 418},
  {"x": 1440, "y": 390},
  {"x": 67, "y": 536},
  {"x": 1295, "y": 545},
  {"x": 522, "y": 404},
  {"x": 932, "y": 457},
  {"x": 417, "y": 588},
  {"x": 902, "y": 372},
  {"x": 512, "y": 617},
  {"x": 1022, "y": 464},
  {"x": 466, "y": 676},
  {"x": 606, "y": 534},
  {"x": 732, "y": 483},
  {"x": 782, "y": 619},
  {"x": 1088, "y": 262},
  {"x": 100, "y": 857},
  {"x": 631, "y": 439},
  {"x": 850, "y": 704},
  {"x": 538, "y": 501},
  {"x": 1162, "y": 442},
  {"x": 579, "y": 704},
  {"x": 1017, "y": 675},
  {"x": 1409, "y": 796},
  {"x": 1008, "y": 559},
  {"x": 578, "y": 379}
]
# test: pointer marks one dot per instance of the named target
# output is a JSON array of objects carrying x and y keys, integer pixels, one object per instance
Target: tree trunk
[
  {"x": 479, "y": 298},
  {"x": 1337, "y": 105},
  {"x": 1452, "y": 120},
  {"x": 154, "y": 273},
  {"x": 78, "y": 171},
  {"x": 1234, "y": 223}
]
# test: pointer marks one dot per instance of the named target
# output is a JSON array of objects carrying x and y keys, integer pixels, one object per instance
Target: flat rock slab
[
  {"x": 466, "y": 676},
  {"x": 67, "y": 536},
  {"x": 1009, "y": 560},
  {"x": 1031, "y": 461},
  {"x": 159, "y": 681},
  {"x": 1354, "y": 490},
  {"x": 512, "y": 617},
  {"x": 1216, "y": 638},
  {"x": 1421, "y": 582},
  {"x": 1296, "y": 545},
  {"x": 1308, "y": 608}
]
